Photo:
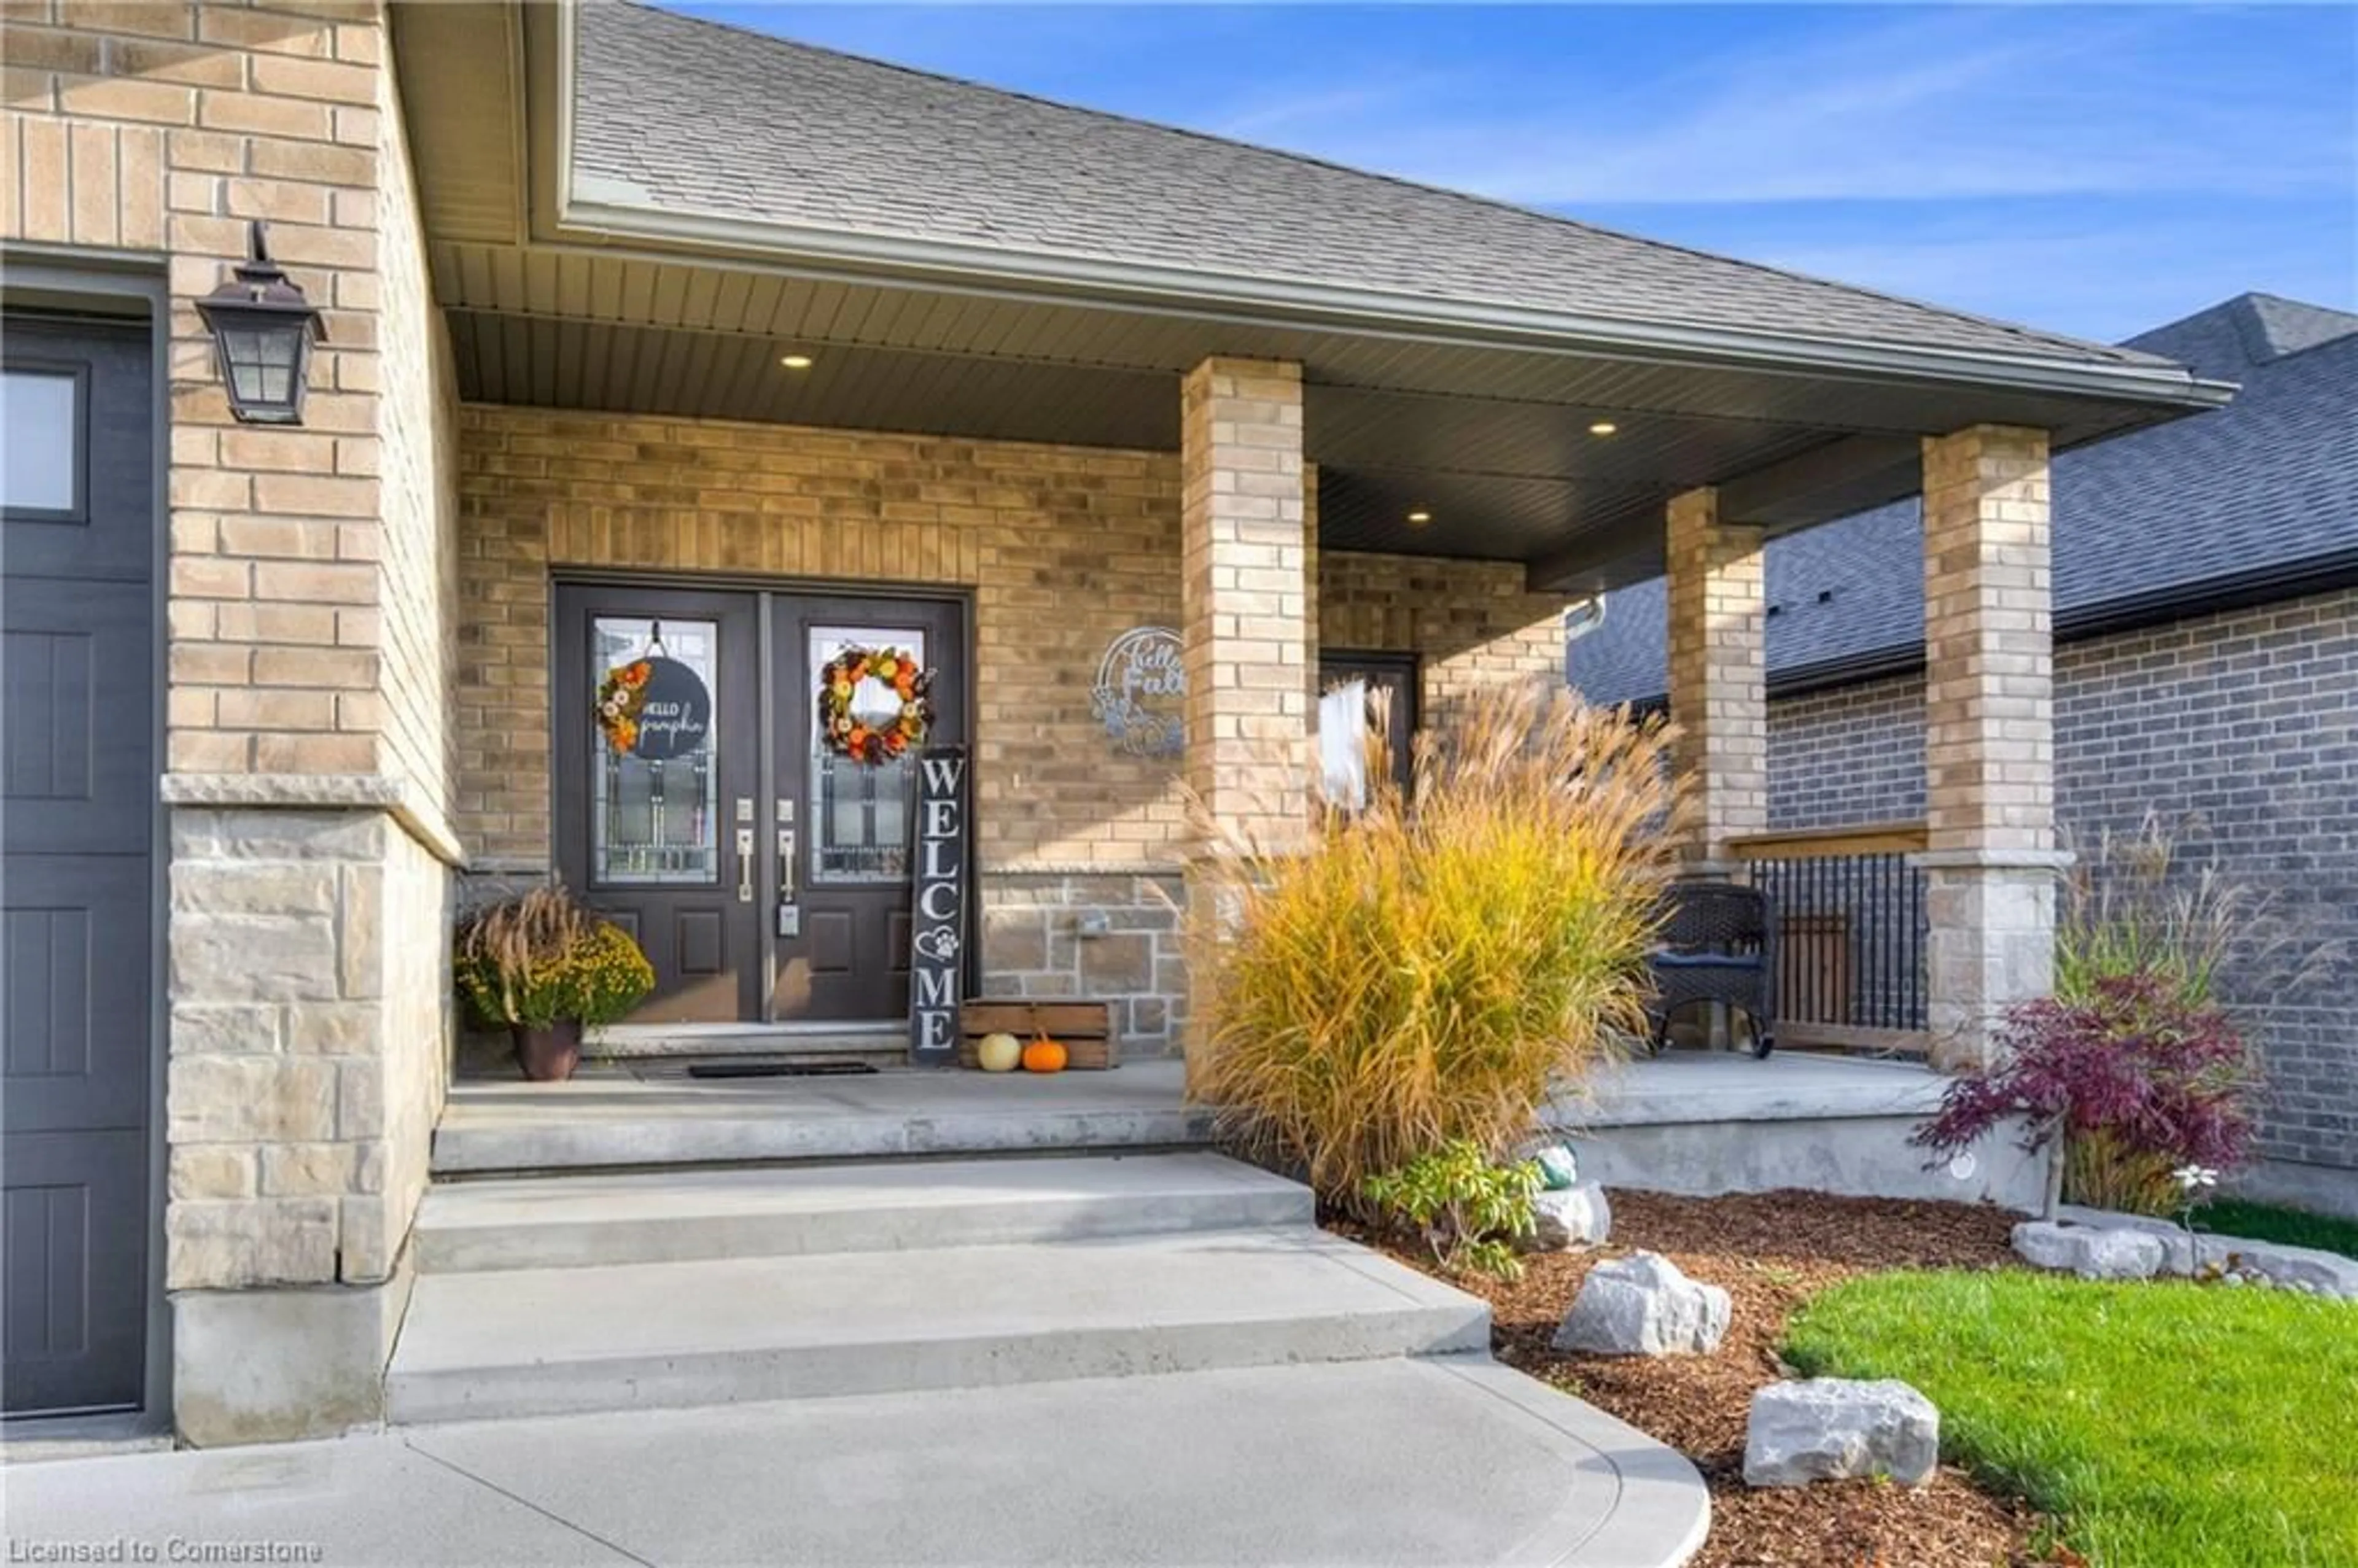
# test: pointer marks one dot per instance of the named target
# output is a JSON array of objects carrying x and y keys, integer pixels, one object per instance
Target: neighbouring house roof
[
  {"x": 2257, "y": 498},
  {"x": 693, "y": 117}
]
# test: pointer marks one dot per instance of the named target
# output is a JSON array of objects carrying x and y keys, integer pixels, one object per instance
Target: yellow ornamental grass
[{"x": 1428, "y": 972}]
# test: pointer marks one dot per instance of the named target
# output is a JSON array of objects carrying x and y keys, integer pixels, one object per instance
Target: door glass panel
[
  {"x": 39, "y": 453},
  {"x": 859, "y": 812},
  {"x": 654, "y": 818}
]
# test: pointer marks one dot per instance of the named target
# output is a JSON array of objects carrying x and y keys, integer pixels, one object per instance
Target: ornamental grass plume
[{"x": 1427, "y": 971}]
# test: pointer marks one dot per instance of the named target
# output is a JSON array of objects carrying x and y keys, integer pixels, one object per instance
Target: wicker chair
[{"x": 1719, "y": 944}]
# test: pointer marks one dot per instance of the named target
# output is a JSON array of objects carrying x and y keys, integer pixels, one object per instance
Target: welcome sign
[{"x": 937, "y": 923}]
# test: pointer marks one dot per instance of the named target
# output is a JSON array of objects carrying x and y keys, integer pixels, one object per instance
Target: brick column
[
  {"x": 1988, "y": 746},
  {"x": 1717, "y": 677},
  {"x": 1245, "y": 609}
]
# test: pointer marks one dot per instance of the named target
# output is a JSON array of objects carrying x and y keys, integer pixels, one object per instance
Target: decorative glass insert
[
  {"x": 653, "y": 822},
  {"x": 40, "y": 452},
  {"x": 861, "y": 813}
]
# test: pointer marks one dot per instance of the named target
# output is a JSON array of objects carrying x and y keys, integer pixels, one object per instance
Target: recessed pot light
[
  {"x": 796, "y": 362},
  {"x": 1418, "y": 519},
  {"x": 1603, "y": 428}
]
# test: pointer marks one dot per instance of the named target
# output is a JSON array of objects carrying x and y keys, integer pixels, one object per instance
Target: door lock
[{"x": 790, "y": 913}]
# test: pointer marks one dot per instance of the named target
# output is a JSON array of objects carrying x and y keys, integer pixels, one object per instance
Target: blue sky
[{"x": 2096, "y": 170}]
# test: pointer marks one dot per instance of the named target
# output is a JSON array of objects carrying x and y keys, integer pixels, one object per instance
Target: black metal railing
[{"x": 1850, "y": 928}]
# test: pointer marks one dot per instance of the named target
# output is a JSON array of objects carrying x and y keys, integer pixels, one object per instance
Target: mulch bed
[{"x": 1769, "y": 1251}]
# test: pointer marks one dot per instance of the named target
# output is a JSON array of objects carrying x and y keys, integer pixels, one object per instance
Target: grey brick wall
[
  {"x": 2244, "y": 725},
  {"x": 1847, "y": 756}
]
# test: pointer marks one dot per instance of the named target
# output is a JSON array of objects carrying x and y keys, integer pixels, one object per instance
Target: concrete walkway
[{"x": 1375, "y": 1463}]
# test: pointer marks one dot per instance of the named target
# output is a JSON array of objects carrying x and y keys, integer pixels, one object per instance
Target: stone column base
[
  {"x": 274, "y": 1364},
  {"x": 1991, "y": 945}
]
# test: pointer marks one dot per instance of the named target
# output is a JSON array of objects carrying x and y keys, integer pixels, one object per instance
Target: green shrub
[
  {"x": 540, "y": 958},
  {"x": 1413, "y": 978},
  {"x": 1468, "y": 1210}
]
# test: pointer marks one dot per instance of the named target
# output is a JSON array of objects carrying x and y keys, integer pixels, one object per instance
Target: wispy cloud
[{"x": 1932, "y": 106}]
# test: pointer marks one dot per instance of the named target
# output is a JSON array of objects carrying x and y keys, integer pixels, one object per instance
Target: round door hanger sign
[{"x": 654, "y": 708}]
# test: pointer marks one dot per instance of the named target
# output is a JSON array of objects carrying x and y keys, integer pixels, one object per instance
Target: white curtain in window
[{"x": 1343, "y": 743}]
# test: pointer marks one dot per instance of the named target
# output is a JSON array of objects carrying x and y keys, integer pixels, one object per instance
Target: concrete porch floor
[{"x": 1690, "y": 1121}]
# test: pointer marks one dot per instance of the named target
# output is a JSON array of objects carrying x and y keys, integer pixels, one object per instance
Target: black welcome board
[{"x": 937, "y": 910}]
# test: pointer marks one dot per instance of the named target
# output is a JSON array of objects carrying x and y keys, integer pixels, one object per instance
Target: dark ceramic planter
[{"x": 547, "y": 1056}]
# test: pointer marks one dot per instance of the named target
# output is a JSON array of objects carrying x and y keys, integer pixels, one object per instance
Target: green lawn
[
  {"x": 2262, "y": 1222},
  {"x": 2167, "y": 1425}
]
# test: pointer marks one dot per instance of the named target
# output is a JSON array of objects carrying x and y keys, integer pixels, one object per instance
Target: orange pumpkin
[{"x": 1044, "y": 1055}]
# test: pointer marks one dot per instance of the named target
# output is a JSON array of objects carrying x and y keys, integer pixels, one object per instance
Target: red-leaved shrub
[{"x": 2136, "y": 1080}]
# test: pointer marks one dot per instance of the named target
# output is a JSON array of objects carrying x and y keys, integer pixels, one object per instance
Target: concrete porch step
[
  {"x": 610, "y": 1116},
  {"x": 729, "y": 1331},
  {"x": 658, "y": 1216},
  {"x": 881, "y": 1045}
]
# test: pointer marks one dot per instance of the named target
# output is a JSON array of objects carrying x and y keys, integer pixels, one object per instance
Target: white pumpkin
[{"x": 998, "y": 1053}]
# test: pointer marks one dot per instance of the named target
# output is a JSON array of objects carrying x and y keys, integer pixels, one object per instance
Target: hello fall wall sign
[{"x": 938, "y": 911}]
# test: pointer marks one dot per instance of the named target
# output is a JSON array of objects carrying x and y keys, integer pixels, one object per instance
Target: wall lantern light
[{"x": 262, "y": 330}]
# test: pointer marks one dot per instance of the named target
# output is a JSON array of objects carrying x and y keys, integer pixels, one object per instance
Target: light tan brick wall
[
  {"x": 418, "y": 459},
  {"x": 1063, "y": 548},
  {"x": 1989, "y": 718},
  {"x": 1247, "y": 588},
  {"x": 164, "y": 128},
  {"x": 1988, "y": 702},
  {"x": 1718, "y": 671},
  {"x": 1471, "y": 624},
  {"x": 307, "y": 648}
]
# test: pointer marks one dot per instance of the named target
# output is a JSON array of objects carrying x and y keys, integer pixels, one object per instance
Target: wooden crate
[{"x": 1085, "y": 1029}]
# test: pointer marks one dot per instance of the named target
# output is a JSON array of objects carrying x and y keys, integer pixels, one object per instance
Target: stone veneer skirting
[{"x": 1112, "y": 938}]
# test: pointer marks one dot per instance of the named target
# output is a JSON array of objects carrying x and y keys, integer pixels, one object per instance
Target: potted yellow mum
[{"x": 547, "y": 968}]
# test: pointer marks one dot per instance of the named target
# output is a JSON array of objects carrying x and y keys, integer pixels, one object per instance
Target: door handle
[
  {"x": 744, "y": 865},
  {"x": 785, "y": 865}
]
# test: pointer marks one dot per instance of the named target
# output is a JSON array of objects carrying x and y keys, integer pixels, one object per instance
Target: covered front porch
[{"x": 1294, "y": 468}]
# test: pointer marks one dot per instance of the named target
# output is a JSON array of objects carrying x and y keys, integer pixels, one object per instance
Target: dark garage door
[{"x": 76, "y": 814}]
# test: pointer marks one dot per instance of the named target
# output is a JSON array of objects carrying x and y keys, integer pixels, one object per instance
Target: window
[
  {"x": 653, "y": 823},
  {"x": 861, "y": 813},
  {"x": 40, "y": 442},
  {"x": 1367, "y": 702}
]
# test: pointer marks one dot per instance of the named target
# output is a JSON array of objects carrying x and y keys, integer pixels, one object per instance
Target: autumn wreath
[
  {"x": 870, "y": 739},
  {"x": 619, "y": 697}
]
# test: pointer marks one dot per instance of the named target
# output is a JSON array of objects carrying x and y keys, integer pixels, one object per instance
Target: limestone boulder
[
  {"x": 1642, "y": 1305},
  {"x": 1836, "y": 1429},
  {"x": 2090, "y": 1252},
  {"x": 1577, "y": 1216}
]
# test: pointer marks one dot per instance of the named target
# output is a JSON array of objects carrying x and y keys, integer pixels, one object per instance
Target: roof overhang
[{"x": 1477, "y": 412}]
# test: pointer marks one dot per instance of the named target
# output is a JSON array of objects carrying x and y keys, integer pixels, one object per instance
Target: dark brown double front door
[{"x": 765, "y": 873}]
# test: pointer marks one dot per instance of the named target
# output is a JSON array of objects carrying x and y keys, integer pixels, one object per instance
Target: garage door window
[{"x": 41, "y": 434}]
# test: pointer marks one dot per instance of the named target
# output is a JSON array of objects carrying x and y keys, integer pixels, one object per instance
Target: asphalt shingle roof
[
  {"x": 2269, "y": 481},
  {"x": 698, "y": 116}
]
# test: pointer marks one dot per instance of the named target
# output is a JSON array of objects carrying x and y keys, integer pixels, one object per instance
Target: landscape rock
[
  {"x": 1833, "y": 1428},
  {"x": 1641, "y": 1306},
  {"x": 2205, "y": 1254},
  {"x": 1577, "y": 1216},
  {"x": 2298, "y": 1268},
  {"x": 2088, "y": 1251}
]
